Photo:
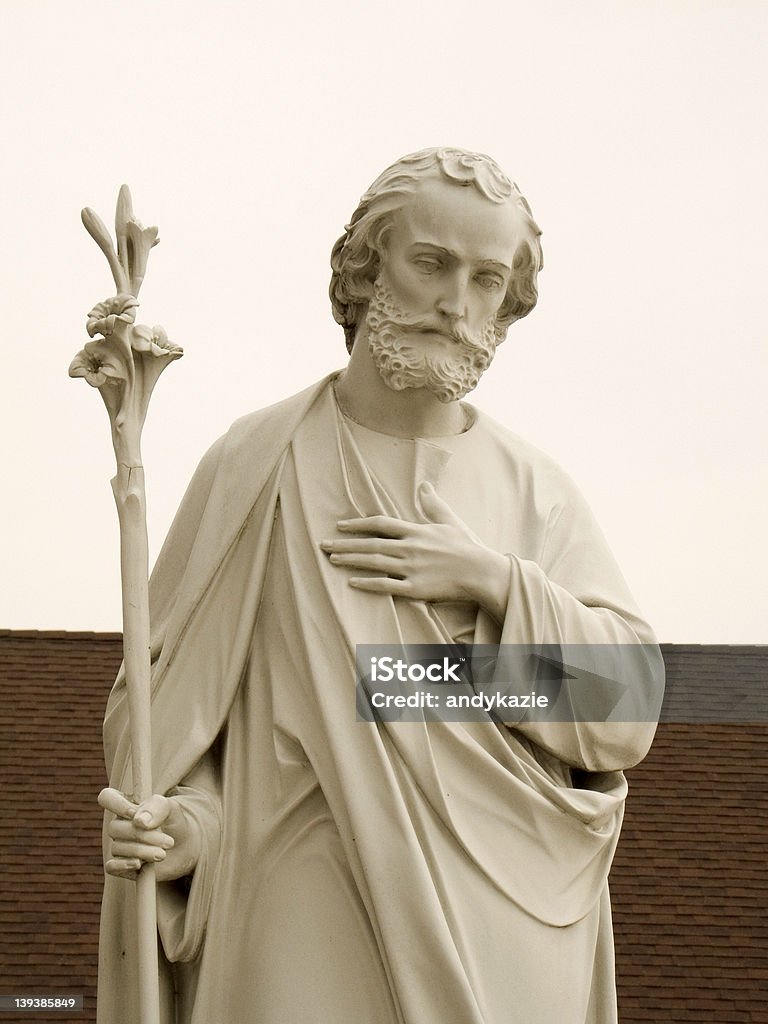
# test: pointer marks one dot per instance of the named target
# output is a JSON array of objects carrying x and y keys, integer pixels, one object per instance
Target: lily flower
[
  {"x": 105, "y": 315},
  {"x": 97, "y": 363},
  {"x": 155, "y": 341},
  {"x": 97, "y": 229},
  {"x": 124, "y": 365},
  {"x": 125, "y": 362},
  {"x": 129, "y": 262},
  {"x": 133, "y": 241}
]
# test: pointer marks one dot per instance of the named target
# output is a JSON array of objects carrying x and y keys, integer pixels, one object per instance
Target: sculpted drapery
[{"x": 372, "y": 872}]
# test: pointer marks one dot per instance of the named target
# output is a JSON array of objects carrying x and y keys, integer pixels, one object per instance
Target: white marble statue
[{"x": 313, "y": 867}]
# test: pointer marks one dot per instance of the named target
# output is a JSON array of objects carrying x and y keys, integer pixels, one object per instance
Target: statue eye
[
  {"x": 489, "y": 281},
  {"x": 427, "y": 263}
]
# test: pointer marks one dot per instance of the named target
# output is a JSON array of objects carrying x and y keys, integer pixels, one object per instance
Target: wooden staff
[{"x": 124, "y": 360}]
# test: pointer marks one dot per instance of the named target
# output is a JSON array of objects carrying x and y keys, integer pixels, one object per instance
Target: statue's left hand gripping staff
[{"x": 124, "y": 360}]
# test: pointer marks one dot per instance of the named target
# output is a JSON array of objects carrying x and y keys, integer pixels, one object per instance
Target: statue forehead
[{"x": 458, "y": 218}]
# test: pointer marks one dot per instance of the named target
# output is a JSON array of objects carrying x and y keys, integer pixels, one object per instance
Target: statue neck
[{"x": 415, "y": 412}]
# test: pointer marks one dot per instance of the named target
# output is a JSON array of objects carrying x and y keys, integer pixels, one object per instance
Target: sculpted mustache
[{"x": 456, "y": 332}]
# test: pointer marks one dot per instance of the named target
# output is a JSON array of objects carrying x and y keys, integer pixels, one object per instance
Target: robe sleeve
[
  {"x": 575, "y": 598},
  {"x": 182, "y": 905}
]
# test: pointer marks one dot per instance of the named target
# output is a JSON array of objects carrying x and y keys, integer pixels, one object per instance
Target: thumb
[
  {"x": 434, "y": 508},
  {"x": 152, "y": 812}
]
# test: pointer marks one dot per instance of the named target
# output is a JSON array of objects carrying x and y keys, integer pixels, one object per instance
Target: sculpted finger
[
  {"x": 151, "y": 854},
  {"x": 119, "y": 828},
  {"x": 128, "y": 832},
  {"x": 379, "y": 585},
  {"x": 122, "y": 867},
  {"x": 153, "y": 811},
  {"x": 367, "y": 545},
  {"x": 383, "y": 526},
  {"x": 116, "y": 802},
  {"x": 376, "y": 563}
]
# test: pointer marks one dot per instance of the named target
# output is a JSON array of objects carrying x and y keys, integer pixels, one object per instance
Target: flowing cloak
[{"x": 372, "y": 872}]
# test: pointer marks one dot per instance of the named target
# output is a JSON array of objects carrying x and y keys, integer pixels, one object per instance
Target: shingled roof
[{"x": 689, "y": 883}]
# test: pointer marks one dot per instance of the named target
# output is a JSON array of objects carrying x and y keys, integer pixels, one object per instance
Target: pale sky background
[{"x": 247, "y": 132}]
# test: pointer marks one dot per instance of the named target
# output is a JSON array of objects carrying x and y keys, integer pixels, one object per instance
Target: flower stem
[{"x": 130, "y": 498}]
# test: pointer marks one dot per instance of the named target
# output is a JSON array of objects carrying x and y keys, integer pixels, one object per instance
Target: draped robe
[{"x": 373, "y": 872}]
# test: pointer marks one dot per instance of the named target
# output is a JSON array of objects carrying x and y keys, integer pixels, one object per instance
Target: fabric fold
[{"x": 300, "y": 910}]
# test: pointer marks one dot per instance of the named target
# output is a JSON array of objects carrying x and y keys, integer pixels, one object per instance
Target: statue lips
[{"x": 443, "y": 335}]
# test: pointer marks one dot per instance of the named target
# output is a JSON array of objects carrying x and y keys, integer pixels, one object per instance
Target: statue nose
[{"x": 453, "y": 300}]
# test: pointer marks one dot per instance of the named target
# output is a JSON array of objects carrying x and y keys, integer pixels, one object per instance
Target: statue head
[{"x": 357, "y": 256}]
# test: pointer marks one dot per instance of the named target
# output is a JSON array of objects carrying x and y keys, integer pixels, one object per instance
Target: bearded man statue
[{"x": 318, "y": 865}]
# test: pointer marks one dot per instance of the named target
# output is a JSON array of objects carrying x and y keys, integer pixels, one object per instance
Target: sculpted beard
[{"x": 402, "y": 364}]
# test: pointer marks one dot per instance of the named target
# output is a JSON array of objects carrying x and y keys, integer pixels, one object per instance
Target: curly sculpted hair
[{"x": 356, "y": 256}]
